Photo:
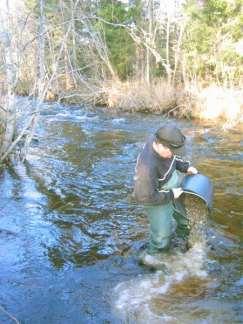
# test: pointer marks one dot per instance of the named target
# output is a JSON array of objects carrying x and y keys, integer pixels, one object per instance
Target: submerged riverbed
[{"x": 69, "y": 233}]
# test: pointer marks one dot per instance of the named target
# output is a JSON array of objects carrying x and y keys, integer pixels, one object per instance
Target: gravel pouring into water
[{"x": 197, "y": 213}]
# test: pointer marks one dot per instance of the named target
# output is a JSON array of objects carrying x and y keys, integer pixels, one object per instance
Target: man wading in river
[{"x": 157, "y": 188}]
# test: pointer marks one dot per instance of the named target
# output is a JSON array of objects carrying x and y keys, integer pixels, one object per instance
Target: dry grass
[
  {"x": 214, "y": 104},
  {"x": 134, "y": 96}
]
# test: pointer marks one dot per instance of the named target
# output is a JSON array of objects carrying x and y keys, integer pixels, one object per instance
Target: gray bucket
[{"x": 200, "y": 186}]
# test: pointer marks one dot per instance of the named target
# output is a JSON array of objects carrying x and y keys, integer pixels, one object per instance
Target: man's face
[{"x": 163, "y": 151}]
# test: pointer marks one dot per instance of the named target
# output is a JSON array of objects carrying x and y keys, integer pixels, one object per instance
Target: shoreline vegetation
[
  {"x": 212, "y": 103},
  {"x": 182, "y": 59}
]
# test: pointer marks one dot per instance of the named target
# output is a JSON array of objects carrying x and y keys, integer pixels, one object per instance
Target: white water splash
[
  {"x": 133, "y": 298},
  {"x": 118, "y": 121}
]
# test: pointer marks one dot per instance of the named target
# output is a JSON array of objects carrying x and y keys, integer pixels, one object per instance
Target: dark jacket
[{"x": 152, "y": 172}]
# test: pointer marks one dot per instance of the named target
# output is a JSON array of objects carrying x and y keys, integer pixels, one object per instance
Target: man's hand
[
  {"x": 177, "y": 192},
  {"x": 192, "y": 170}
]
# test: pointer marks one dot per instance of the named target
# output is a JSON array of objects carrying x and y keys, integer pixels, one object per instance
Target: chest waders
[{"x": 161, "y": 219}]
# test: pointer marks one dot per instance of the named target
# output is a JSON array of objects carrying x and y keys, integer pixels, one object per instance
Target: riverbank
[
  {"x": 211, "y": 103},
  {"x": 205, "y": 104}
]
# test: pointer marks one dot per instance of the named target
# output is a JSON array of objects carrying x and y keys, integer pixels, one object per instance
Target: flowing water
[{"x": 69, "y": 233}]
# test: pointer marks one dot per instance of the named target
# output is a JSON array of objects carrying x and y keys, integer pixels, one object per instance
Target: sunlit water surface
[{"x": 69, "y": 234}]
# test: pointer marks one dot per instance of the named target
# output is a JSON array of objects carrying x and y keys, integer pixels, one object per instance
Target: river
[{"x": 69, "y": 233}]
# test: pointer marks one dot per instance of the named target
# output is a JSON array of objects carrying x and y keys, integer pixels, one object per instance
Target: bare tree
[
  {"x": 9, "y": 109},
  {"x": 40, "y": 79},
  {"x": 41, "y": 49},
  {"x": 149, "y": 39}
]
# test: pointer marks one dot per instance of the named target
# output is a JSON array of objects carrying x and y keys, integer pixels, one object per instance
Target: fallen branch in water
[
  {"x": 16, "y": 141},
  {"x": 172, "y": 110},
  {"x": 9, "y": 315}
]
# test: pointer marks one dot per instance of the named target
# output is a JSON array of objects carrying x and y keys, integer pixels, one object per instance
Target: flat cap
[{"x": 170, "y": 136}]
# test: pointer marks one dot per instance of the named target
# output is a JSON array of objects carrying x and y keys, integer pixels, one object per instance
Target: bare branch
[{"x": 9, "y": 315}]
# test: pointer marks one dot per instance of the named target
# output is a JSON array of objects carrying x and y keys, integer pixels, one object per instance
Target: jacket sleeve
[{"x": 181, "y": 164}]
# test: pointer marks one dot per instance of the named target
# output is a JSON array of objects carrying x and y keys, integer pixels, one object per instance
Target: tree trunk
[
  {"x": 149, "y": 40},
  {"x": 41, "y": 50},
  {"x": 177, "y": 53},
  {"x": 9, "y": 118},
  {"x": 41, "y": 90},
  {"x": 168, "y": 46}
]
